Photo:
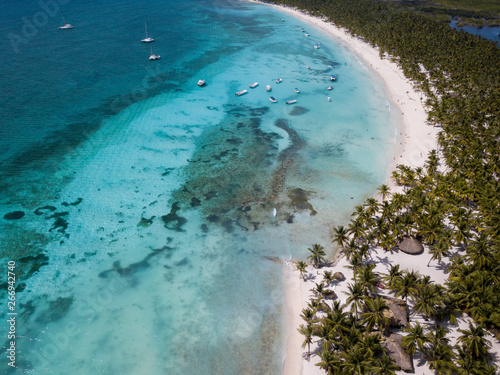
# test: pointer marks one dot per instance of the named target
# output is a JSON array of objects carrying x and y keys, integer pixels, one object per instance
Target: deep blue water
[{"x": 138, "y": 206}]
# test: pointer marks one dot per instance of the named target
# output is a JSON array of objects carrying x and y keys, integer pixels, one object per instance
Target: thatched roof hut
[
  {"x": 339, "y": 276},
  {"x": 329, "y": 294},
  {"x": 397, "y": 313},
  {"x": 411, "y": 245},
  {"x": 402, "y": 359}
]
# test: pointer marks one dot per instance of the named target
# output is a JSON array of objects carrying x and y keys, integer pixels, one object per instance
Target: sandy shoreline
[{"x": 415, "y": 140}]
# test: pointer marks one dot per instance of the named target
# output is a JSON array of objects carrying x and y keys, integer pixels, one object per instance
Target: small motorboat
[
  {"x": 201, "y": 83},
  {"x": 307, "y": 67},
  {"x": 273, "y": 99},
  {"x": 291, "y": 101},
  {"x": 316, "y": 46},
  {"x": 279, "y": 80},
  {"x": 268, "y": 88},
  {"x": 296, "y": 90},
  {"x": 329, "y": 99},
  {"x": 306, "y": 34},
  {"x": 254, "y": 85},
  {"x": 333, "y": 77},
  {"x": 242, "y": 92},
  {"x": 330, "y": 88}
]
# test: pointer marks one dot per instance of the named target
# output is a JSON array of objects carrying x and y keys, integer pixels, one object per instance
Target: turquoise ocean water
[{"x": 138, "y": 207}]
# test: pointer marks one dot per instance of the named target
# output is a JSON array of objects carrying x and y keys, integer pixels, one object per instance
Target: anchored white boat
[
  {"x": 147, "y": 39},
  {"x": 153, "y": 56},
  {"x": 268, "y": 88},
  {"x": 296, "y": 90},
  {"x": 242, "y": 92},
  {"x": 279, "y": 80},
  {"x": 254, "y": 85},
  {"x": 201, "y": 83},
  {"x": 329, "y": 88},
  {"x": 291, "y": 101},
  {"x": 65, "y": 26},
  {"x": 273, "y": 99}
]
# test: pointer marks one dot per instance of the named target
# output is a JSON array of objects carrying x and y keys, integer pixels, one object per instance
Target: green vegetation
[{"x": 452, "y": 204}]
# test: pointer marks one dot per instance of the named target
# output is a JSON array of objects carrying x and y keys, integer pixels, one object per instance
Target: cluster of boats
[
  {"x": 148, "y": 39},
  {"x": 268, "y": 89}
]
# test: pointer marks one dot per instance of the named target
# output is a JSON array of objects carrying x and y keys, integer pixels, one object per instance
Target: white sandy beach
[{"x": 417, "y": 138}]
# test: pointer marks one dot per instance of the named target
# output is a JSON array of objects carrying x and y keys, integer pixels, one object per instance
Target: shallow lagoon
[{"x": 148, "y": 243}]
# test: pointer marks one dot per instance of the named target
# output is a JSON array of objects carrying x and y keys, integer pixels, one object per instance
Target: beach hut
[
  {"x": 411, "y": 245},
  {"x": 394, "y": 346},
  {"x": 397, "y": 313},
  {"x": 339, "y": 276}
]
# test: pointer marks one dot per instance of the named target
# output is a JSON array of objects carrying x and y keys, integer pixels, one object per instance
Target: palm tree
[
  {"x": 479, "y": 253},
  {"x": 473, "y": 341},
  {"x": 427, "y": 301},
  {"x": 371, "y": 206},
  {"x": 356, "y": 298},
  {"x": 356, "y": 228},
  {"x": 308, "y": 315},
  {"x": 351, "y": 249},
  {"x": 437, "y": 251},
  {"x": 330, "y": 360},
  {"x": 317, "y": 255},
  {"x": 355, "y": 262},
  {"x": 393, "y": 277},
  {"x": 340, "y": 235},
  {"x": 374, "y": 316},
  {"x": 407, "y": 285},
  {"x": 301, "y": 266},
  {"x": 372, "y": 344},
  {"x": 384, "y": 191},
  {"x": 307, "y": 331},
  {"x": 414, "y": 339},
  {"x": 384, "y": 365},
  {"x": 328, "y": 277},
  {"x": 356, "y": 361},
  {"x": 367, "y": 278}
]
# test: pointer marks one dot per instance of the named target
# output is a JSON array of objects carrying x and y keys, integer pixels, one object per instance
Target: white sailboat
[
  {"x": 153, "y": 56},
  {"x": 65, "y": 26},
  {"x": 147, "y": 39}
]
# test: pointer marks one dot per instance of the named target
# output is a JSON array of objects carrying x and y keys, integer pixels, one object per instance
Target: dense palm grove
[{"x": 452, "y": 204}]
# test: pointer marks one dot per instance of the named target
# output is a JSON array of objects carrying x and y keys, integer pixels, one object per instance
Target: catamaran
[
  {"x": 147, "y": 39},
  {"x": 153, "y": 56}
]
